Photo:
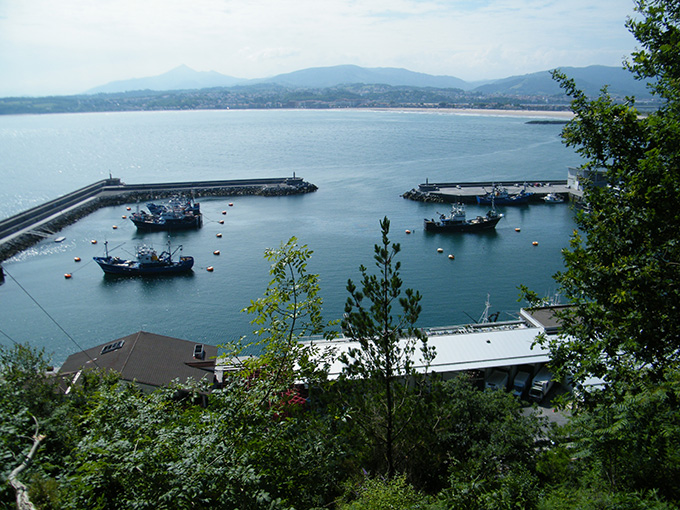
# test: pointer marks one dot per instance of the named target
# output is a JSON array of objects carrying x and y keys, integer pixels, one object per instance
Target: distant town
[
  {"x": 274, "y": 96},
  {"x": 335, "y": 87}
]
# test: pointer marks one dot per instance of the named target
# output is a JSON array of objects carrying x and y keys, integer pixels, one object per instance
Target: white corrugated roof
[{"x": 467, "y": 351}]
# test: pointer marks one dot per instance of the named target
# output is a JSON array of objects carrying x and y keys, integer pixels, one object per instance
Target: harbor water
[{"x": 361, "y": 161}]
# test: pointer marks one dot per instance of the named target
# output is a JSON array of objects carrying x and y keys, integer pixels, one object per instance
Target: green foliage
[
  {"x": 491, "y": 449},
  {"x": 158, "y": 451},
  {"x": 622, "y": 270},
  {"x": 386, "y": 392},
  {"x": 585, "y": 498},
  {"x": 27, "y": 396},
  {"x": 44, "y": 493},
  {"x": 290, "y": 310},
  {"x": 280, "y": 438},
  {"x": 385, "y": 494},
  {"x": 632, "y": 444},
  {"x": 517, "y": 488}
]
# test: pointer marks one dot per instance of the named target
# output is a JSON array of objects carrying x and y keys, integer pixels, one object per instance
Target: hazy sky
[{"x": 70, "y": 46}]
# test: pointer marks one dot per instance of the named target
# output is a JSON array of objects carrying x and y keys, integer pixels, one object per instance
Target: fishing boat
[
  {"x": 176, "y": 203},
  {"x": 167, "y": 220},
  {"x": 500, "y": 196},
  {"x": 148, "y": 262},
  {"x": 456, "y": 221},
  {"x": 180, "y": 213}
]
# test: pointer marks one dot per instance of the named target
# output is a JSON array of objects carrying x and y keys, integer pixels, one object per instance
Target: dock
[
  {"x": 467, "y": 192},
  {"x": 25, "y": 229}
]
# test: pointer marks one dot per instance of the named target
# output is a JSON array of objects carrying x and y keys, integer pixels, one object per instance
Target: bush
[{"x": 384, "y": 494}]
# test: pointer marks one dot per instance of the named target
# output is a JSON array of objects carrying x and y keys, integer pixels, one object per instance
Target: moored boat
[
  {"x": 500, "y": 196},
  {"x": 167, "y": 220},
  {"x": 553, "y": 198},
  {"x": 176, "y": 203},
  {"x": 179, "y": 213},
  {"x": 456, "y": 221},
  {"x": 148, "y": 262}
]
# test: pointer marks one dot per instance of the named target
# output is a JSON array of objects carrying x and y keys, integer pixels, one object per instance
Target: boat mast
[{"x": 484, "y": 318}]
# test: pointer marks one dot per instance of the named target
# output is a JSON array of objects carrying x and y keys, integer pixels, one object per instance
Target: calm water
[{"x": 361, "y": 162}]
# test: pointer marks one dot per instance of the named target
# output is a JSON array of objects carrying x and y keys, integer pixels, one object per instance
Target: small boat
[
  {"x": 148, "y": 262},
  {"x": 59, "y": 239},
  {"x": 553, "y": 198},
  {"x": 501, "y": 196},
  {"x": 457, "y": 222}
]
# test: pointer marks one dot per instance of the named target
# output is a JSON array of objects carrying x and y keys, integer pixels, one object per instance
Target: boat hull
[
  {"x": 477, "y": 225},
  {"x": 114, "y": 265},
  {"x": 149, "y": 225}
]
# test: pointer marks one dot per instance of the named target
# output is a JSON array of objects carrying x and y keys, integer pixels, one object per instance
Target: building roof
[
  {"x": 545, "y": 317},
  {"x": 456, "y": 352},
  {"x": 147, "y": 358}
]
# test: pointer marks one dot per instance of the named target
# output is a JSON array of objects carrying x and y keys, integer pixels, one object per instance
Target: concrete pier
[
  {"x": 22, "y": 230},
  {"x": 467, "y": 192}
]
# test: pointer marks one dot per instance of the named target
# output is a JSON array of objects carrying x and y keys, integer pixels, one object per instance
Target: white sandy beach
[{"x": 482, "y": 111}]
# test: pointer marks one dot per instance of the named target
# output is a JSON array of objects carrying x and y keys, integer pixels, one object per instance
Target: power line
[
  {"x": 51, "y": 318},
  {"x": 12, "y": 339}
]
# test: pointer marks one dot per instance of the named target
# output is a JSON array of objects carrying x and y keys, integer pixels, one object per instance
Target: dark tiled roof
[{"x": 147, "y": 358}]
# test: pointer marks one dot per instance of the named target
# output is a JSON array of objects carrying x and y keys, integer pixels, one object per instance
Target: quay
[
  {"x": 25, "y": 229},
  {"x": 467, "y": 192}
]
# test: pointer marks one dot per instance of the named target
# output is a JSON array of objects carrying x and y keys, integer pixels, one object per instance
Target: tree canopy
[
  {"x": 622, "y": 273},
  {"x": 623, "y": 266},
  {"x": 384, "y": 361}
]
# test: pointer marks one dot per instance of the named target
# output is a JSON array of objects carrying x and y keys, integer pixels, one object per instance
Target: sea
[{"x": 361, "y": 161}]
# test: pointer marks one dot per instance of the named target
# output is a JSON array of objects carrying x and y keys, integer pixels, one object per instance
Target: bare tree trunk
[{"x": 23, "y": 502}]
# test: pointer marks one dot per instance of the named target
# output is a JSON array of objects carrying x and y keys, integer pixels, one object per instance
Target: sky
[{"x": 61, "y": 47}]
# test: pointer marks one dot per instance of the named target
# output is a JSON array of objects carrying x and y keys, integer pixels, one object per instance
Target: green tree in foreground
[
  {"x": 383, "y": 367},
  {"x": 251, "y": 447},
  {"x": 623, "y": 272},
  {"x": 28, "y": 406},
  {"x": 289, "y": 311}
]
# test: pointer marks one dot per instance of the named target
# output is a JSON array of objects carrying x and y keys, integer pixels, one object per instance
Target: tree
[
  {"x": 383, "y": 364},
  {"x": 248, "y": 448},
  {"x": 156, "y": 450},
  {"x": 491, "y": 448},
  {"x": 290, "y": 310},
  {"x": 28, "y": 402},
  {"x": 623, "y": 269}
]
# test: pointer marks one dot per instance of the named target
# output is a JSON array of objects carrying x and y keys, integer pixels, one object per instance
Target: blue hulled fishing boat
[
  {"x": 457, "y": 222},
  {"x": 148, "y": 262}
]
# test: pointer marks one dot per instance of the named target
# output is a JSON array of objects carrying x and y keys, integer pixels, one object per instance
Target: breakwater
[
  {"x": 467, "y": 192},
  {"x": 25, "y": 229}
]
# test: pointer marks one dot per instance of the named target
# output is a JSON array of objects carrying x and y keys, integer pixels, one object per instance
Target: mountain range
[{"x": 589, "y": 79}]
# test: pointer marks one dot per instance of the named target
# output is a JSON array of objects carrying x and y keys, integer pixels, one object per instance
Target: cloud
[{"x": 73, "y": 45}]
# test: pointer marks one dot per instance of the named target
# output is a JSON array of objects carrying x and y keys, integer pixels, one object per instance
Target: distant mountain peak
[{"x": 181, "y": 77}]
